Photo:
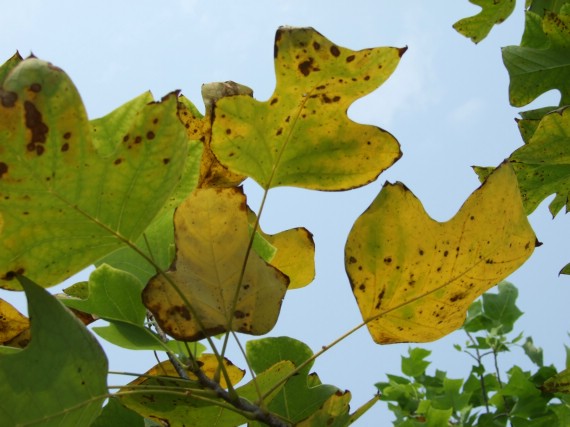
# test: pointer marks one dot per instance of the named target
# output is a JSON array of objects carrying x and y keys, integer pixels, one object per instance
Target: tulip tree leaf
[
  {"x": 212, "y": 236},
  {"x": 116, "y": 415},
  {"x": 71, "y": 190},
  {"x": 542, "y": 61},
  {"x": 302, "y": 395},
  {"x": 560, "y": 383},
  {"x": 293, "y": 253},
  {"x": 493, "y": 12},
  {"x": 179, "y": 410},
  {"x": 414, "y": 278},
  {"x": 12, "y": 322},
  {"x": 333, "y": 413},
  {"x": 60, "y": 378},
  {"x": 302, "y": 136}
]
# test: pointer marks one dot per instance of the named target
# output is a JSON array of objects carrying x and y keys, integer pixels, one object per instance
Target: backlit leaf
[
  {"x": 212, "y": 235},
  {"x": 116, "y": 415},
  {"x": 560, "y": 383},
  {"x": 543, "y": 164},
  {"x": 60, "y": 378},
  {"x": 478, "y": 26},
  {"x": 70, "y": 187},
  {"x": 302, "y": 136},
  {"x": 208, "y": 364},
  {"x": 187, "y": 409},
  {"x": 12, "y": 322},
  {"x": 542, "y": 61},
  {"x": 299, "y": 398},
  {"x": 294, "y": 254},
  {"x": 333, "y": 413},
  {"x": 414, "y": 278}
]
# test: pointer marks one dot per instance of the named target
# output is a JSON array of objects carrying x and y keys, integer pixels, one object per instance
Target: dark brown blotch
[
  {"x": 350, "y": 58},
  {"x": 150, "y": 135},
  {"x": 335, "y": 51},
  {"x": 179, "y": 310},
  {"x": 11, "y": 275},
  {"x": 36, "y": 87},
  {"x": 34, "y": 122},
  {"x": 305, "y": 67},
  {"x": 316, "y": 45},
  {"x": 3, "y": 169},
  {"x": 8, "y": 99},
  {"x": 64, "y": 147}
]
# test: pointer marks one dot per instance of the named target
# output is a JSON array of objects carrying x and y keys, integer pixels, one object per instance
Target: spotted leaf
[
  {"x": 414, "y": 278},
  {"x": 196, "y": 298},
  {"x": 492, "y": 12},
  {"x": 72, "y": 190},
  {"x": 302, "y": 136}
]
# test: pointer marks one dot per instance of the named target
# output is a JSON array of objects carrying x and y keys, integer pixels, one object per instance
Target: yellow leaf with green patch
[
  {"x": 414, "y": 277},
  {"x": 12, "y": 322},
  {"x": 196, "y": 298},
  {"x": 492, "y": 12},
  {"x": 302, "y": 135},
  {"x": 71, "y": 190}
]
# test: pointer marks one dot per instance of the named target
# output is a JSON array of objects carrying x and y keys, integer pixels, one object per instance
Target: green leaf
[
  {"x": 414, "y": 278},
  {"x": 72, "y": 190},
  {"x": 116, "y": 415},
  {"x": 112, "y": 295},
  {"x": 534, "y": 353},
  {"x": 297, "y": 400},
  {"x": 542, "y": 62},
  {"x": 543, "y": 164},
  {"x": 302, "y": 136},
  {"x": 59, "y": 379},
  {"x": 478, "y": 26},
  {"x": 560, "y": 383},
  {"x": 415, "y": 365},
  {"x": 334, "y": 412},
  {"x": 500, "y": 308},
  {"x": 178, "y": 402},
  {"x": 540, "y": 6}
]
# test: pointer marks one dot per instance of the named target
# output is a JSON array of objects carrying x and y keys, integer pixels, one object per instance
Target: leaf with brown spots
[
  {"x": 12, "y": 322},
  {"x": 302, "y": 136},
  {"x": 72, "y": 191},
  {"x": 414, "y": 278},
  {"x": 212, "y": 235}
]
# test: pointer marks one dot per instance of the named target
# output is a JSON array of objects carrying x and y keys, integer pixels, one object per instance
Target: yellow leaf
[
  {"x": 208, "y": 364},
  {"x": 212, "y": 236},
  {"x": 414, "y": 278},
  {"x": 302, "y": 135},
  {"x": 295, "y": 255},
  {"x": 12, "y": 322}
]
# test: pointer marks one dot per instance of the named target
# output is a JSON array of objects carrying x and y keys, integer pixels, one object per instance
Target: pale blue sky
[{"x": 446, "y": 103}]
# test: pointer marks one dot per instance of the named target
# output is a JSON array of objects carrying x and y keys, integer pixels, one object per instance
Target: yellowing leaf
[
  {"x": 212, "y": 235},
  {"x": 493, "y": 12},
  {"x": 302, "y": 136},
  {"x": 295, "y": 253},
  {"x": 559, "y": 383},
  {"x": 71, "y": 190},
  {"x": 12, "y": 322},
  {"x": 414, "y": 278},
  {"x": 199, "y": 127},
  {"x": 208, "y": 364}
]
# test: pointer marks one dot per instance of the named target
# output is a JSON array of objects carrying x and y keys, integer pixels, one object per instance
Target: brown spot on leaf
[
  {"x": 67, "y": 135},
  {"x": 165, "y": 161},
  {"x": 8, "y": 99},
  {"x": 150, "y": 135},
  {"x": 155, "y": 121},
  {"x": 457, "y": 297},
  {"x": 362, "y": 287},
  {"x": 64, "y": 147},
  {"x": 366, "y": 78},
  {"x": 238, "y": 314},
  {"x": 126, "y": 137},
  {"x": 380, "y": 298},
  {"x": 335, "y": 51},
  {"x": 351, "y": 260},
  {"x": 118, "y": 161},
  {"x": 36, "y": 126},
  {"x": 179, "y": 310},
  {"x": 387, "y": 260},
  {"x": 11, "y": 275},
  {"x": 36, "y": 87},
  {"x": 279, "y": 132},
  {"x": 305, "y": 67},
  {"x": 274, "y": 101},
  {"x": 138, "y": 139},
  {"x": 228, "y": 131},
  {"x": 316, "y": 45},
  {"x": 350, "y": 58},
  {"x": 3, "y": 169}
]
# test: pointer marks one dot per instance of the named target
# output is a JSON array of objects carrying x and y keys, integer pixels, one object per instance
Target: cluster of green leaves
[
  {"x": 487, "y": 397},
  {"x": 151, "y": 194}
]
